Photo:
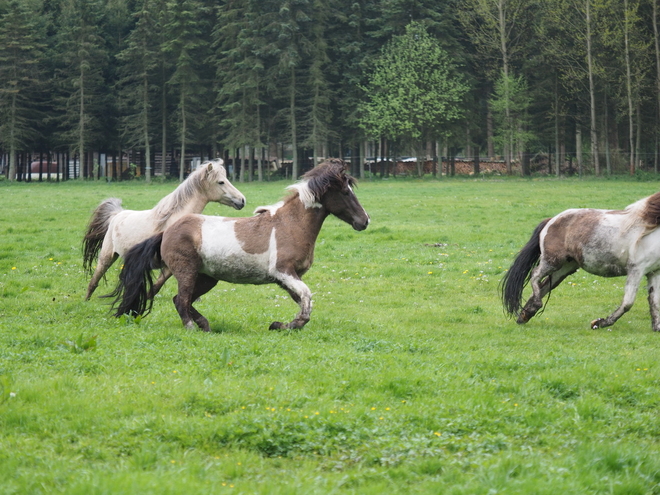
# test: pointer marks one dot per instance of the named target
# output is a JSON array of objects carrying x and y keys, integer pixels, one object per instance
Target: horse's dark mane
[
  {"x": 328, "y": 174},
  {"x": 651, "y": 214}
]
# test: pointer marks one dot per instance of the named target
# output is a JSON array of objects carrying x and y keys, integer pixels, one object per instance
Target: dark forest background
[{"x": 140, "y": 87}]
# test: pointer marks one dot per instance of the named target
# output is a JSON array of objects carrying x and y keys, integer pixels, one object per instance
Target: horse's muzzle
[{"x": 360, "y": 225}]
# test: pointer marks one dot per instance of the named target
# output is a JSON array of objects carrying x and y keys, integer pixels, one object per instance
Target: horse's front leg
[
  {"x": 301, "y": 294},
  {"x": 654, "y": 299},
  {"x": 629, "y": 294}
]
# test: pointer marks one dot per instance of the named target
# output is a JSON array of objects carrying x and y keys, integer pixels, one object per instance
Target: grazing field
[{"x": 408, "y": 378}]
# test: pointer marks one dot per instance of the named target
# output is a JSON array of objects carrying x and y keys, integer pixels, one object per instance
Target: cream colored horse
[{"x": 112, "y": 231}]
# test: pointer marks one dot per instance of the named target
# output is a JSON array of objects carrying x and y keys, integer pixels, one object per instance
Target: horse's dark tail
[
  {"x": 517, "y": 277},
  {"x": 96, "y": 230},
  {"x": 132, "y": 294}
]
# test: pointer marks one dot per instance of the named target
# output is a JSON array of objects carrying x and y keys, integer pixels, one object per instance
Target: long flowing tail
[
  {"x": 96, "y": 230},
  {"x": 517, "y": 277},
  {"x": 132, "y": 294}
]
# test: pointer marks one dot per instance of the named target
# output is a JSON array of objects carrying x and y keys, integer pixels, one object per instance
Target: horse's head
[
  {"x": 332, "y": 188},
  {"x": 217, "y": 186}
]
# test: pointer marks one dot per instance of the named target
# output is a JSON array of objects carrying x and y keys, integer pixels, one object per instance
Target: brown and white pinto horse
[
  {"x": 112, "y": 231},
  {"x": 608, "y": 243},
  {"x": 276, "y": 245}
]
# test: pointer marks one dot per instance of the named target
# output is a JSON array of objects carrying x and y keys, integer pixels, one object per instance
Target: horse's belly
[
  {"x": 606, "y": 267},
  {"x": 223, "y": 257},
  {"x": 238, "y": 269}
]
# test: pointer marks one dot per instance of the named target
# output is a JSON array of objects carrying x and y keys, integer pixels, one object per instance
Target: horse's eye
[{"x": 222, "y": 182}]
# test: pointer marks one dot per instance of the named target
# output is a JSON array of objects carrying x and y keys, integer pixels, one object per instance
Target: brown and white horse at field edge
[
  {"x": 274, "y": 246},
  {"x": 112, "y": 231},
  {"x": 608, "y": 243}
]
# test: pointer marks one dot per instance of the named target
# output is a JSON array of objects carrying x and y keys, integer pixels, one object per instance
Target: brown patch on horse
[
  {"x": 564, "y": 241},
  {"x": 253, "y": 233},
  {"x": 295, "y": 246},
  {"x": 186, "y": 234},
  {"x": 651, "y": 213}
]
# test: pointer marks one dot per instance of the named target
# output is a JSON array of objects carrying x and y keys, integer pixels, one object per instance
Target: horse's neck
[
  {"x": 172, "y": 207},
  {"x": 196, "y": 204},
  {"x": 308, "y": 220}
]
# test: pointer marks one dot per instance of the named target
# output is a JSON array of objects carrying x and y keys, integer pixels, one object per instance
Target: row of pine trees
[{"x": 560, "y": 79}]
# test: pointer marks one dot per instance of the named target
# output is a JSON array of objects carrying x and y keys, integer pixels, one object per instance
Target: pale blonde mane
[
  {"x": 194, "y": 184},
  {"x": 305, "y": 194}
]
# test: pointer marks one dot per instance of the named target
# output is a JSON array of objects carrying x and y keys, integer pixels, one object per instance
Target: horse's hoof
[
  {"x": 522, "y": 318},
  {"x": 597, "y": 323},
  {"x": 277, "y": 325}
]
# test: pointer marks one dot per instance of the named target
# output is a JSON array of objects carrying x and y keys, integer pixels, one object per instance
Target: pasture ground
[{"x": 408, "y": 379}]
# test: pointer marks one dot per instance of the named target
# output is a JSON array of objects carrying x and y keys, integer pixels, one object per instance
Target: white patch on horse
[
  {"x": 223, "y": 257},
  {"x": 305, "y": 194},
  {"x": 365, "y": 211},
  {"x": 272, "y": 209},
  {"x": 272, "y": 251}
]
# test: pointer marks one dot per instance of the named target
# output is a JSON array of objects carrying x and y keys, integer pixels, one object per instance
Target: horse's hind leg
[
  {"x": 654, "y": 299},
  {"x": 106, "y": 258},
  {"x": 543, "y": 282},
  {"x": 629, "y": 293},
  {"x": 204, "y": 284},
  {"x": 301, "y": 294},
  {"x": 165, "y": 274},
  {"x": 190, "y": 288}
]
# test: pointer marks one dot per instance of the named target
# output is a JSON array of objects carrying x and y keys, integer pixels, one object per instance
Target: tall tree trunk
[
  {"x": 252, "y": 151},
  {"x": 294, "y": 134},
  {"x": 592, "y": 93},
  {"x": 364, "y": 158},
  {"x": 12, "y": 141},
  {"x": 608, "y": 160},
  {"x": 81, "y": 122},
  {"x": 163, "y": 121},
  {"x": 145, "y": 130},
  {"x": 182, "y": 160},
  {"x": 557, "y": 162},
  {"x": 656, "y": 37},
  {"x": 508, "y": 148},
  {"x": 631, "y": 128},
  {"x": 489, "y": 134},
  {"x": 578, "y": 149}
]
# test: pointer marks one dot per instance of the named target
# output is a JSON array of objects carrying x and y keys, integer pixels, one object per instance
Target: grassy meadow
[{"x": 408, "y": 378}]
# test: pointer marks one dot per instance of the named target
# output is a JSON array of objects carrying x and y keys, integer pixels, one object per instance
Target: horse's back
[
  {"x": 598, "y": 240},
  {"x": 130, "y": 227}
]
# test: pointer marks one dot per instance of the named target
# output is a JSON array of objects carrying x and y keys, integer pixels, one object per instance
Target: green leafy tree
[
  {"x": 240, "y": 70},
  {"x": 21, "y": 52},
  {"x": 139, "y": 60},
  {"x": 316, "y": 103},
  {"x": 414, "y": 91},
  {"x": 83, "y": 58},
  {"x": 186, "y": 46},
  {"x": 510, "y": 105}
]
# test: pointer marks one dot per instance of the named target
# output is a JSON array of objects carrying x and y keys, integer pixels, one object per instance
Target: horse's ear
[{"x": 209, "y": 168}]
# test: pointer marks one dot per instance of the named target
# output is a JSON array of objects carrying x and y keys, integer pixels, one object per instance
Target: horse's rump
[{"x": 97, "y": 229}]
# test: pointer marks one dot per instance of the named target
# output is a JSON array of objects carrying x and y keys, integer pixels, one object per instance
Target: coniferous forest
[{"x": 124, "y": 88}]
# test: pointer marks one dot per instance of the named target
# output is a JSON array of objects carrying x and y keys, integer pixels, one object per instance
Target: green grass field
[{"x": 408, "y": 378}]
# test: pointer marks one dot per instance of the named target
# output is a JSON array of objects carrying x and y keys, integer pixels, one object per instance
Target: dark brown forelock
[
  {"x": 328, "y": 174},
  {"x": 651, "y": 213}
]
